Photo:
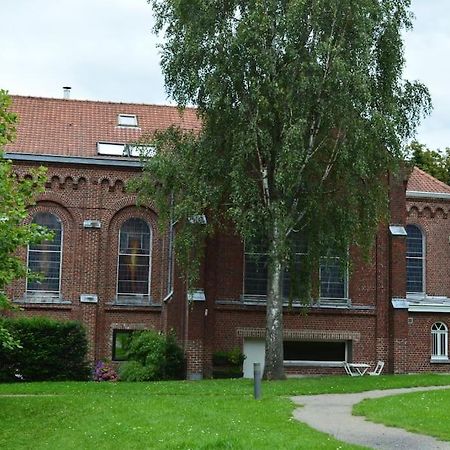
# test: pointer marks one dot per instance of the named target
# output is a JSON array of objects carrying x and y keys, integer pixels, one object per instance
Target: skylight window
[{"x": 127, "y": 120}]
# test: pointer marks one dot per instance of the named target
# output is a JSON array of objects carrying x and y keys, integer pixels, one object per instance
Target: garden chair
[
  {"x": 378, "y": 369},
  {"x": 350, "y": 371}
]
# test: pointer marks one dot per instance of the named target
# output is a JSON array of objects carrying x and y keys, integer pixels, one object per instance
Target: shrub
[
  {"x": 232, "y": 357},
  {"x": 104, "y": 371},
  {"x": 50, "y": 350},
  {"x": 228, "y": 364},
  {"x": 152, "y": 356}
]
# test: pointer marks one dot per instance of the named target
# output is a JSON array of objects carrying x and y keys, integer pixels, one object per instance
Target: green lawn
[
  {"x": 211, "y": 414},
  {"x": 420, "y": 412}
]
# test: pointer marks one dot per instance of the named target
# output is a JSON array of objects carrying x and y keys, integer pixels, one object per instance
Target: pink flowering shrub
[{"x": 104, "y": 371}]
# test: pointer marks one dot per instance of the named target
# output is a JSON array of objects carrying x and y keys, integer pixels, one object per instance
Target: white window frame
[
  {"x": 122, "y": 119},
  {"x": 39, "y": 291},
  {"x": 422, "y": 293},
  {"x": 346, "y": 281},
  {"x": 439, "y": 342},
  {"x": 149, "y": 284}
]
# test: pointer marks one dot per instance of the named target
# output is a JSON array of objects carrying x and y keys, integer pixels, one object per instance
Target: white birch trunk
[{"x": 273, "y": 366}]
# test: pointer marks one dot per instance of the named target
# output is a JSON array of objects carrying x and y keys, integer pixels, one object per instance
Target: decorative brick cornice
[{"x": 303, "y": 335}]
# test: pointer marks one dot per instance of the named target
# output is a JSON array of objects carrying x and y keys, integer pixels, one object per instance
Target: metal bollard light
[{"x": 257, "y": 380}]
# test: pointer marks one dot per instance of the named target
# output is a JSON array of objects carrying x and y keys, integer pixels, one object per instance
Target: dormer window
[{"x": 127, "y": 120}]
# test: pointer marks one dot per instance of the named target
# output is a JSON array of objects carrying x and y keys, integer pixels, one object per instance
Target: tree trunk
[{"x": 273, "y": 365}]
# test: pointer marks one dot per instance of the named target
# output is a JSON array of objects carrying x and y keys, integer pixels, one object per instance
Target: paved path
[{"x": 332, "y": 414}]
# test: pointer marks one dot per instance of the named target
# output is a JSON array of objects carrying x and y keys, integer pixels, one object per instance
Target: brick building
[{"x": 110, "y": 266}]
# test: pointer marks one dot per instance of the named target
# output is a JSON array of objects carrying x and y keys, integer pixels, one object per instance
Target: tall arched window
[
  {"x": 45, "y": 258},
  {"x": 414, "y": 260},
  {"x": 439, "y": 341},
  {"x": 134, "y": 258}
]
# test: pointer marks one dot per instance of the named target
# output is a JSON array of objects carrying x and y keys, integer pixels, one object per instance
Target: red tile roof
[
  {"x": 50, "y": 126},
  {"x": 420, "y": 181}
]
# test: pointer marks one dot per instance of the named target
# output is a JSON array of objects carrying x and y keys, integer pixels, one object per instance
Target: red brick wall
[
  {"x": 419, "y": 342},
  {"x": 89, "y": 256},
  {"x": 432, "y": 219},
  {"x": 89, "y": 266}
]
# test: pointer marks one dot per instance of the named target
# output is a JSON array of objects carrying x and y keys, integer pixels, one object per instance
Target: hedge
[{"x": 51, "y": 350}]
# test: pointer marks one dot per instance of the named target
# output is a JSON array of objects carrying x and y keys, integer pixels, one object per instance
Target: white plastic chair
[
  {"x": 350, "y": 371},
  {"x": 378, "y": 369}
]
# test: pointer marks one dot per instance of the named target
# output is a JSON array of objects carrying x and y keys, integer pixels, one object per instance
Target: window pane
[
  {"x": 133, "y": 274},
  {"x": 414, "y": 275},
  {"x": 134, "y": 258},
  {"x": 414, "y": 260},
  {"x": 314, "y": 351},
  {"x": 135, "y": 237},
  {"x": 45, "y": 258},
  {"x": 256, "y": 274},
  {"x": 332, "y": 280},
  {"x": 121, "y": 340}
]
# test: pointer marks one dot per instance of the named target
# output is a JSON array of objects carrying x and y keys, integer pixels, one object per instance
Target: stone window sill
[
  {"x": 42, "y": 298},
  {"x": 440, "y": 361}
]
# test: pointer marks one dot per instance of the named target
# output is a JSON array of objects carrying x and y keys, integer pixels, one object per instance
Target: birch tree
[{"x": 304, "y": 111}]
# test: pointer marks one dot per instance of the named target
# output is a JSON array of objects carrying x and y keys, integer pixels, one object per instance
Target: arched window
[
  {"x": 45, "y": 258},
  {"x": 134, "y": 258},
  {"x": 414, "y": 260},
  {"x": 439, "y": 341}
]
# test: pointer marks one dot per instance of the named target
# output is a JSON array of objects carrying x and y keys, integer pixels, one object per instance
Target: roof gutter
[
  {"x": 58, "y": 159},
  {"x": 422, "y": 194}
]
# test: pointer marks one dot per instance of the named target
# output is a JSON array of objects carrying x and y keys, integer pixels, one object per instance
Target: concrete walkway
[{"x": 332, "y": 414}]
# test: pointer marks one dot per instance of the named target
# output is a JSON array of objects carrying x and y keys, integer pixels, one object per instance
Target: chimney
[{"x": 66, "y": 92}]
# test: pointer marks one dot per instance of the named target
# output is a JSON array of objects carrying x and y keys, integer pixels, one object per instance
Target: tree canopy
[
  {"x": 434, "y": 162},
  {"x": 304, "y": 110},
  {"x": 15, "y": 197}
]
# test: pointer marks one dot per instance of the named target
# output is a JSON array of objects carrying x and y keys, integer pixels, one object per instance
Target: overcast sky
[{"x": 105, "y": 50}]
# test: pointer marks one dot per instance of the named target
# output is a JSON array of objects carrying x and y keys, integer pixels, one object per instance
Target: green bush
[
  {"x": 152, "y": 356},
  {"x": 50, "y": 350},
  {"x": 228, "y": 364},
  {"x": 232, "y": 357}
]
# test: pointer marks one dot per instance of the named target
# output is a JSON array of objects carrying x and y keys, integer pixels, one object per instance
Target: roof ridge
[{"x": 107, "y": 102}]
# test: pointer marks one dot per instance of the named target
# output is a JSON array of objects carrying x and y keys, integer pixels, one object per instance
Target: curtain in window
[
  {"x": 134, "y": 258},
  {"x": 45, "y": 258}
]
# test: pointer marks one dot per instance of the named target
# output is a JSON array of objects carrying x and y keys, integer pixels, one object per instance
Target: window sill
[
  {"x": 42, "y": 298},
  {"x": 440, "y": 360},
  {"x": 313, "y": 363},
  {"x": 319, "y": 303},
  {"x": 143, "y": 300}
]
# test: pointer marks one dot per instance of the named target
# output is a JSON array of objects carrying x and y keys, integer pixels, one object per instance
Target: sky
[{"x": 105, "y": 50}]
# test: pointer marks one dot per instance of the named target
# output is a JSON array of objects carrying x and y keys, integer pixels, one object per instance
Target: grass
[
  {"x": 211, "y": 414},
  {"x": 419, "y": 412}
]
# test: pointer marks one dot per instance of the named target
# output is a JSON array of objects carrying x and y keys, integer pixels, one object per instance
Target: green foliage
[
  {"x": 15, "y": 198},
  {"x": 7, "y": 340},
  {"x": 152, "y": 356},
  {"x": 436, "y": 163},
  {"x": 304, "y": 111},
  {"x": 228, "y": 364},
  {"x": 231, "y": 357},
  {"x": 49, "y": 350}
]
